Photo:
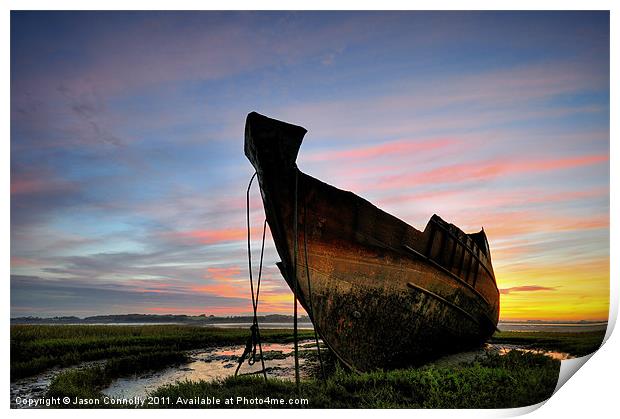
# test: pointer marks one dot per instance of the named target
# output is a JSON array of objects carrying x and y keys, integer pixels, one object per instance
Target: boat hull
[{"x": 380, "y": 293}]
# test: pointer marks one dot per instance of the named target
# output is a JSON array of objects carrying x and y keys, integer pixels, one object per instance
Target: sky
[{"x": 128, "y": 176}]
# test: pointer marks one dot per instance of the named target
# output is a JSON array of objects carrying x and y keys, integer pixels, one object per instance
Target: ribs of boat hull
[{"x": 380, "y": 293}]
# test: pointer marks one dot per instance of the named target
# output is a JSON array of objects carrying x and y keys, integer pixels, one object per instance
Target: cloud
[
  {"x": 223, "y": 273},
  {"x": 502, "y": 225},
  {"x": 526, "y": 288},
  {"x": 476, "y": 197},
  {"x": 44, "y": 297},
  {"x": 40, "y": 183},
  {"x": 156, "y": 48},
  {"x": 390, "y": 149},
  {"x": 222, "y": 289},
  {"x": 212, "y": 236},
  {"x": 224, "y": 311},
  {"x": 19, "y": 261},
  {"x": 487, "y": 170},
  {"x": 88, "y": 106},
  {"x": 39, "y": 193},
  {"x": 452, "y": 103}
]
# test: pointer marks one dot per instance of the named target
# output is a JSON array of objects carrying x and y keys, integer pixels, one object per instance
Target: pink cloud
[
  {"x": 19, "y": 261},
  {"x": 212, "y": 236},
  {"x": 223, "y": 273},
  {"x": 169, "y": 286},
  {"x": 472, "y": 198},
  {"x": 386, "y": 149},
  {"x": 507, "y": 224},
  {"x": 223, "y": 310},
  {"x": 223, "y": 289},
  {"x": 485, "y": 170},
  {"x": 39, "y": 182}
]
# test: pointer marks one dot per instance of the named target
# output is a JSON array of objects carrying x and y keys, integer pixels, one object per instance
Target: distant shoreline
[
  {"x": 157, "y": 319},
  {"x": 272, "y": 320}
]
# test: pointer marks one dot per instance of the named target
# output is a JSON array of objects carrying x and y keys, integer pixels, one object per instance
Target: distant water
[
  {"x": 109, "y": 324},
  {"x": 503, "y": 326},
  {"x": 233, "y": 325},
  {"x": 300, "y": 325},
  {"x": 550, "y": 327}
]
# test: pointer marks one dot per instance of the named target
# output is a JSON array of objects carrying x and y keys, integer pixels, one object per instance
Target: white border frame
[{"x": 592, "y": 393}]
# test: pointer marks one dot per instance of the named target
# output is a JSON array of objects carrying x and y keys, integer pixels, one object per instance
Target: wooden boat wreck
[{"x": 380, "y": 293}]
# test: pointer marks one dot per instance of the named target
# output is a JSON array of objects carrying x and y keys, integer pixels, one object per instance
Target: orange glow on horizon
[{"x": 575, "y": 290}]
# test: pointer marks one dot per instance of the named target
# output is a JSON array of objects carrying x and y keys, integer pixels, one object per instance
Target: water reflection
[{"x": 217, "y": 363}]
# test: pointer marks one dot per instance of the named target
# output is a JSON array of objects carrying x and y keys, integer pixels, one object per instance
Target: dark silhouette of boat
[{"x": 380, "y": 293}]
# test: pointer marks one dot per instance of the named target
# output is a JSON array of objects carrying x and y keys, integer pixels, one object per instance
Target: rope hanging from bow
[{"x": 254, "y": 338}]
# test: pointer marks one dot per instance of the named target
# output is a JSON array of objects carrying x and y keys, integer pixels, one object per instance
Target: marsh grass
[
  {"x": 37, "y": 348},
  {"x": 492, "y": 381}
]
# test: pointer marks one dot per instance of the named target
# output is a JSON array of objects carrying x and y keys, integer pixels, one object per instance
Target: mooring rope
[{"x": 254, "y": 338}]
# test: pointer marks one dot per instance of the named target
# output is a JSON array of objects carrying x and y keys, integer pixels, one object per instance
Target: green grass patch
[{"x": 513, "y": 380}]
